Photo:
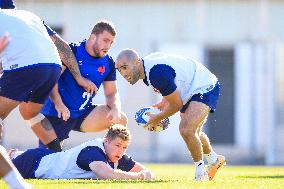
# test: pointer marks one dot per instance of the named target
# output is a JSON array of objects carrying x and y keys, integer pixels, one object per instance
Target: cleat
[
  {"x": 202, "y": 177},
  {"x": 213, "y": 168}
]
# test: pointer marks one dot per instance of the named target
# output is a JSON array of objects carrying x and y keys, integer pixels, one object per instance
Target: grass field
[{"x": 181, "y": 176}]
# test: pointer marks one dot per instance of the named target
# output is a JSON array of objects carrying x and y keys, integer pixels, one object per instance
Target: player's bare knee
[
  {"x": 27, "y": 113},
  {"x": 186, "y": 130}
]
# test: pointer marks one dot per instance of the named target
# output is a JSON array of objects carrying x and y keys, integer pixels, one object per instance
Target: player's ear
[
  {"x": 106, "y": 140},
  {"x": 138, "y": 62}
]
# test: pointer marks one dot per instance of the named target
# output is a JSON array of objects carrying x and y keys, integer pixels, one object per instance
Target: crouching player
[{"x": 97, "y": 159}]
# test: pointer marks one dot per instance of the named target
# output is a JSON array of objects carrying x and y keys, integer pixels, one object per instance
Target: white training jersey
[
  {"x": 29, "y": 44},
  {"x": 62, "y": 165},
  {"x": 191, "y": 76}
]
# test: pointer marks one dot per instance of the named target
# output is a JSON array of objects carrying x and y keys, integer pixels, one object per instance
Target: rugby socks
[
  {"x": 211, "y": 157},
  {"x": 200, "y": 167},
  {"x": 55, "y": 145},
  {"x": 15, "y": 180}
]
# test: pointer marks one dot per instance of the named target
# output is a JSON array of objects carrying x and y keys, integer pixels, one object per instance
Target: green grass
[{"x": 181, "y": 176}]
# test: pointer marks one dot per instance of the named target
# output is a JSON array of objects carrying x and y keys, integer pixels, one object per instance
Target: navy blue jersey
[
  {"x": 7, "y": 4},
  {"x": 76, "y": 99},
  {"x": 94, "y": 153}
]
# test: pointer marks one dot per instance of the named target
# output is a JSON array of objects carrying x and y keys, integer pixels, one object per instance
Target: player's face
[
  {"x": 128, "y": 70},
  {"x": 115, "y": 149},
  {"x": 102, "y": 44}
]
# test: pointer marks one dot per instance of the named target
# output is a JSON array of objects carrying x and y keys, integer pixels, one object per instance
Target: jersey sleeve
[
  {"x": 126, "y": 163},
  {"x": 162, "y": 77},
  {"x": 7, "y": 4},
  {"x": 50, "y": 31},
  {"x": 88, "y": 155},
  {"x": 112, "y": 74}
]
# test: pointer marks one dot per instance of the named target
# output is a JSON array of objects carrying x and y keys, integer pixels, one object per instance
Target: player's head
[
  {"x": 102, "y": 38},
  {"x": 130, "y": 65},
  {"x": 116, "y": 142}
]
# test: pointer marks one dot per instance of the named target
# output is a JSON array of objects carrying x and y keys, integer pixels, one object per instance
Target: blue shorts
[
  {"x": 28, "y": 162},
  {"x": 32, "y": 84},
  {"x": 63, "y": 128},
  {"x": 210, "y": 98}
]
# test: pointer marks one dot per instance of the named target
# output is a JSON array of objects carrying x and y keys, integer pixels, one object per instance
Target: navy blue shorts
[
  {"x": 32, "y": 84},
  {"x": 210, "y": 98},
  {"x": 63, "y": 128},
  {"x": 28, "y": 162}
]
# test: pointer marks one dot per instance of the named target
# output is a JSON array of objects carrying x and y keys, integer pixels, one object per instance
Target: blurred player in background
[
  {"x": 31, "y": 67},
  {"x": 70, "y": 106},
  {"x": 186, "y": 86},
  {"x": 97, "y": 159},
  {"x": 69, "y": 60}
]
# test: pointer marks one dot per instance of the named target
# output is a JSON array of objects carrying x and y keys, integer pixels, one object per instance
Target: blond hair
[{"x": 120, "y": 131}]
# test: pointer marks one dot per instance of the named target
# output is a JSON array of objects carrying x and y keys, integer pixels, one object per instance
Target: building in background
[{"x": 240, "y": 41}]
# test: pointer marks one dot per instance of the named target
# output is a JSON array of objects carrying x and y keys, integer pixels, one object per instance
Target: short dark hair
[
  {"x": 102, "y": 26},
  {"x": 118, "y": 131}
]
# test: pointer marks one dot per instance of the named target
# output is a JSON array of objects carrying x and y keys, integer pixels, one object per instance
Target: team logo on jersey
[{"x": 102, "y": 70}]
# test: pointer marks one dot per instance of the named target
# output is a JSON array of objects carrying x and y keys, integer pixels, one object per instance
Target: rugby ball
[{"x": 142, "y": 118}]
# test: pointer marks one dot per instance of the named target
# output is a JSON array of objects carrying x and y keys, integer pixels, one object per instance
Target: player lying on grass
[{"x": 97, "y": 159}]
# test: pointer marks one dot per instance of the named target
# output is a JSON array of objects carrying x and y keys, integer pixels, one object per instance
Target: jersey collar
[{"x": 145, "y": 80}]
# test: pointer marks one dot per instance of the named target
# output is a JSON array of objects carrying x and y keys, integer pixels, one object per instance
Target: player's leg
[
  {"x": 40, "y": 124},
  {"x": 9, "y": 173},
  {"x": 30, "y": 111},
  {"x": 214, "y": 160},
  {"x": 6, "y": 106},
  {"x": 97, "y": 120},
  {"x": 191, "y": 121},
  {"x": 28, "y": 161},
  {"x": 7, "y": 170}
]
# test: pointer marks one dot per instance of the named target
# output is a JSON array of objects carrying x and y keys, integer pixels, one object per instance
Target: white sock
[
  {"x": 15, "y": 180},
  {"x": 211, "y": 157},
  {"x": 200, "y": 167}
]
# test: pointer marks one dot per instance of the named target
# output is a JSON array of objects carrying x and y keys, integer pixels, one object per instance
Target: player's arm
[
  {"x": 112, "y": 100},
  {"x": 60, "y": 107},
  {"x": 174, "y": 104},
  {"x": 162, "y": 77},
  {"x": 69, "y": 60},
  {"x": 104, "y": 171},
  {"x": 111, "y": 95}
]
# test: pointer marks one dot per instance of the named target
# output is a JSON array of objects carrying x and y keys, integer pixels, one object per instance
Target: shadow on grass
[
  {"x": 264, "y": 177},
  {"x": 94, "y": 181}
]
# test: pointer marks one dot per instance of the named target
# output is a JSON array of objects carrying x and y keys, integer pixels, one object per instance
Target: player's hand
[
  {"x": 4, "y": 41},
  {"x": 153, "y": 122},
  {"x": 62, "y": 111},
  {"x": 88, "y": 85},
  {"x": 161, "y": 105},
  {"x": 114, "y": 115},
  {"x": 147, "y": 175}
]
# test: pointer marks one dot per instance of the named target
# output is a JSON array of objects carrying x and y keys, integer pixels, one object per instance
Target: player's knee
[
  {"x": 27, "y": 113},
  {"x": 36, "y": 119},
  {"x": 187, "y": 131}
]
